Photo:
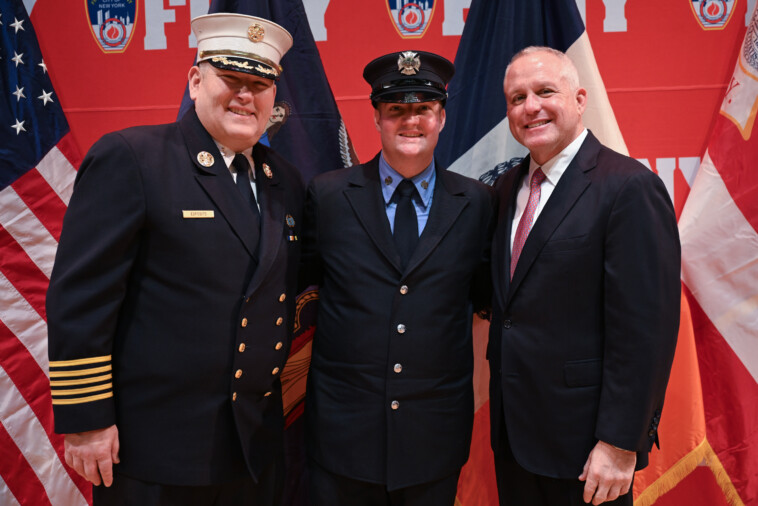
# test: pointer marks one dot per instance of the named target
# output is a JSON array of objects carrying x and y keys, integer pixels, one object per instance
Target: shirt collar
[
  {"x": 390, "y": 178},
  {"x": 556, "y": 166},
  {"x": 229, "y": 155}
]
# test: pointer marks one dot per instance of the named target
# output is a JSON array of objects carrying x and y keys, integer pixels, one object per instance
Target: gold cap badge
[
  {"x": 256, "y": 32},
  {"x": 205, "y": 159}
]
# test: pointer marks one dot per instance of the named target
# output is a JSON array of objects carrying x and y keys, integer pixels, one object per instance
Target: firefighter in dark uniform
[
  {"x": 171, "y": 302},
  {"x": 399, "y": 248}
]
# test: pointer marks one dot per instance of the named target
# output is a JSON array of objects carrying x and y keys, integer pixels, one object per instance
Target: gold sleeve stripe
[
  {"x": 80, "y": 361},
  {"x": 85, "y": 381},
  {"x": 82, "y": 400},
  {"x": 77, "y": 391},
  {"x": 80, "y": 372}
]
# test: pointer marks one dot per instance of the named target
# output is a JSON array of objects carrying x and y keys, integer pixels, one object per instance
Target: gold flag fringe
[{"x": 676, "y": 473}]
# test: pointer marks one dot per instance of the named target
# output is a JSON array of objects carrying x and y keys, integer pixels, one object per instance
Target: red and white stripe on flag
[
  {"x": 32, "y": 468},
  {"x": 719, "y": 234},
  {"x": 38, "y": 161}
]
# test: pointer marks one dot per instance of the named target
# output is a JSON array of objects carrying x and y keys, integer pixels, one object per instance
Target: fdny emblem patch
[
  {"x": 713, "y": 14},
  {"x": 411, "y": 17},
  {"x": 112, "y": 23},
  {"x": 740, "y": 103}
]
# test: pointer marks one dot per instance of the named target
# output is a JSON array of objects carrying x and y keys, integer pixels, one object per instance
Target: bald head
[{"x": 545, "y": 101}]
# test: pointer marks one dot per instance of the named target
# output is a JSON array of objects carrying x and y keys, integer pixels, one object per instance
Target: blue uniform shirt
[{"x": 387, "y": 173}]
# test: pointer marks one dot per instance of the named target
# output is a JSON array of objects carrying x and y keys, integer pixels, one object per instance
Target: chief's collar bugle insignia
[
  {"x": 205, "y": 159},
  {"x": 290, "y": 221},
  {"x": 388, "y": 180},
  {"x": 424, "y": 184},
  {"x": 267, "y": 171},
  {"x": 408, "y": 63},
  {"x": 256, "y": 32}
]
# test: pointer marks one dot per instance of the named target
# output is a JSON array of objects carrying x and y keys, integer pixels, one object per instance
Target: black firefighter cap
[{"x": 408, "y": 77}]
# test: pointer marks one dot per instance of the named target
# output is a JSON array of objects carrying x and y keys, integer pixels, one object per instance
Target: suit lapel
[
  {"x": 217, "y": 181},
  {"x": 447, "y": 204},
  {"x": 365, "y": 197},
  {"x": 570, "y": 187},
  {"x": 271, "y": 200},
  {"x": 502, "y": 243}
]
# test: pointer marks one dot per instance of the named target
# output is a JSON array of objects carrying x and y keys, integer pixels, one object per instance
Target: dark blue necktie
[
  {"x": 405, "y": 230},
  {"x": 242, "y": 168}
]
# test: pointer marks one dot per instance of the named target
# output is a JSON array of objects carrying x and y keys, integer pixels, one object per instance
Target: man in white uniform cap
[{"x": 171, "y": 302}]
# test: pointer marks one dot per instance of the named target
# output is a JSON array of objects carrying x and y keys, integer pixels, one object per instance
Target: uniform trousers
[
  {"x": 330, "y": 489},
  {"x": 127, "y": 491},
  {"x": 518, "y": 487}
]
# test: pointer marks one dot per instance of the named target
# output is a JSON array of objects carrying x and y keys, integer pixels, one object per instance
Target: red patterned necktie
[{"x": 525, "y": 224}]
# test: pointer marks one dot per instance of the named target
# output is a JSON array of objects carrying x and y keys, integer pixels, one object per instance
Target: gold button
[
  {"x": 278, "y": 346},
  {"x": 404, "y": 289},
  {"x": 234, "y": 396},
  {"x": 238, "y": 373},
  {"x": 242, "y": 347},
  {"x": 275, "y": 371},
  {"x": 266, "y": 394},
  {"x": 282, "y": 297},
  {"x": 244, "y": 322},
  {"x": 401, "y": 329},
  {"x": 395, "y": 405},
  {"x": 279, "y": 320},
  {"x": 398, "y": 368}
]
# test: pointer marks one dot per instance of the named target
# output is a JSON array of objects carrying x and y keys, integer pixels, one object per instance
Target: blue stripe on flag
[{"x": 494, "y": 32}]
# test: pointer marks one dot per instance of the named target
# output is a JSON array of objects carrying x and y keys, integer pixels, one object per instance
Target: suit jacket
[
  {"x": 387, "y": 336},
  {"x": 582, "y": 338},
  {"x": 159, "y": 278}
]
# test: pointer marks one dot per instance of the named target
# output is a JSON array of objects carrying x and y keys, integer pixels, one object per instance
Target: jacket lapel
[
  {"x": 271, "y": 200},
  {"x": 570, "y": 187},
  {"x": 501, "y": 247},
  {"x": 447, "y": 204},
  {"x": 365, "y": 197},
  {"x": 217, "y": 181}
]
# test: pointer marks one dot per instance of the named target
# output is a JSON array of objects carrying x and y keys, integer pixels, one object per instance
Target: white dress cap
[{"x": 241, "y": 43}]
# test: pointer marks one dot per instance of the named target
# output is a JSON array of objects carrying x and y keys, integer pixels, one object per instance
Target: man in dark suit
[
  {"x": 399, "y": 248},
  {"x": 170, "y": 305},
  {"x": 586, "y": 303}
]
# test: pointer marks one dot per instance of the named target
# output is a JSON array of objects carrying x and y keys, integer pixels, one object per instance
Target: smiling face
[
  {"x": 232, "y": 106},
  {"x": 545, "y": 103},
  {"x": 409, "y": 134}
]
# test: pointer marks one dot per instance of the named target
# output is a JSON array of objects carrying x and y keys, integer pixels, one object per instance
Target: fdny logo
[
  {"x": 112, "y": 23},
  {"x": 713, "y": 14},
  {"x": 411, "y": 17}
]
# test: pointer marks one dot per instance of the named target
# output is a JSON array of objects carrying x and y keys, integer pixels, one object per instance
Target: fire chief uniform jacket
[
  {"x": 166, "y": 314},
  {"x": 389, "y": 397}
]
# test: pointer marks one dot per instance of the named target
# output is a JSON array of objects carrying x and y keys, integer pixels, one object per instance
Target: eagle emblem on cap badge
[
  {"x": 408, "y": 63},
  {"x": 205, "y": 158},
  {"x": 256, "y": 32}
]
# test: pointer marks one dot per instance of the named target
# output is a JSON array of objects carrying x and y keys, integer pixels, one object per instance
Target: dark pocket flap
[{"x": 583, "y": 373}]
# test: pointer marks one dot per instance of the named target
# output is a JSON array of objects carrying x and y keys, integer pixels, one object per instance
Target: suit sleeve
[
  {"x": 310, "y": 266},
  {"x": 99, "y": 242},
  {"x": 482, "y": 285},
  {"x": 642, "y": 298}
]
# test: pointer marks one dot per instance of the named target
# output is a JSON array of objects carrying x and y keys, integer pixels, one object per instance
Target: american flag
[{"x": 38, "y": 163}]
